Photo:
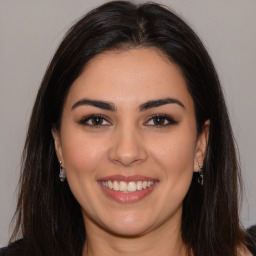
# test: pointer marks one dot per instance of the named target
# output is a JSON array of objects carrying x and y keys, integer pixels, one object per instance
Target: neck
[{"x": 165, "y": 240}]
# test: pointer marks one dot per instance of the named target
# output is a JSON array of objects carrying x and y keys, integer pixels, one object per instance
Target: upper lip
[{"x": 127, "y": 178}]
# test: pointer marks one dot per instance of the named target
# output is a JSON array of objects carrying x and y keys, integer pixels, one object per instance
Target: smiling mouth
[{"x": 127, "y": 187}]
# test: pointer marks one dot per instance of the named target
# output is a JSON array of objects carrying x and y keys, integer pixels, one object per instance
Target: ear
[
  {"x": 201, "y": 146},
  {"x": 57, "y": 144}
]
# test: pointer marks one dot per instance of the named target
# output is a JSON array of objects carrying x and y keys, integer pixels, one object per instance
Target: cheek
[
  {"x": 175, "y": 154},
  {"x": 81, "y": 153}
]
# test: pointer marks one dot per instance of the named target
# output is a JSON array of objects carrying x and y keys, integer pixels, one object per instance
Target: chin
[
  {"x": 128, "y": 231},
  {"x": 129, "y": 226}
]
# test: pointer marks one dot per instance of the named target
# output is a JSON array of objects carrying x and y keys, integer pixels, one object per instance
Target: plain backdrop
[{"x": 31, "y": 30}]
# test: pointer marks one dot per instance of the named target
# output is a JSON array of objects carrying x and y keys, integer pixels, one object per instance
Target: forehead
[{"x": 130, "y": 77}]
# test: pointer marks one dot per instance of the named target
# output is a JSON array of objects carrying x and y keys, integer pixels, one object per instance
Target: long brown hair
[{"x": 48, "y": 216}]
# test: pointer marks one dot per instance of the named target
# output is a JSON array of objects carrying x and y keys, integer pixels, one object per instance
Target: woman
[{"x": 129, "y": 149}]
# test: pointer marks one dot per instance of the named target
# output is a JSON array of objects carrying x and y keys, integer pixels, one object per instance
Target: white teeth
[
  {"x": 122, "y": 186},
  {"x": 150, "y": 183},
  {"x": 144, "y": 184},
  {"x": 110, "y": 184},
  {"x": 131, "y": 186},
  {"x": 139, "y": 185},
  {"x": 116, "y": 186}
]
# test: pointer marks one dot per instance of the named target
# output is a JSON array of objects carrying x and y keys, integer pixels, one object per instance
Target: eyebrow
[
  {"x": 111, "y": 107},
  {"x": 96, "y": 103},
  {"x": 160, "y": 102}
]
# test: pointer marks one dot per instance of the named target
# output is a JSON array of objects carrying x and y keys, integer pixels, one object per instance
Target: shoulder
[
  {"x": 13, "y": 249},
  {"x": 5, "y": 252},
  {"x": 251, "y": 240}
]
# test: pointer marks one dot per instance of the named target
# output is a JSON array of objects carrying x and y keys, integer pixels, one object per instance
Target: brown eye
[
  {"x": 95, "y": 121},
  {"x": 161, "y": 121}
]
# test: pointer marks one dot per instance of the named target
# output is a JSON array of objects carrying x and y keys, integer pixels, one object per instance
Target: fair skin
[{"x": 144, "y": 130}]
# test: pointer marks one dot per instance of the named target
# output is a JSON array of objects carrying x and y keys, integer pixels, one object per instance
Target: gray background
[{"x": 31, "y": 30}]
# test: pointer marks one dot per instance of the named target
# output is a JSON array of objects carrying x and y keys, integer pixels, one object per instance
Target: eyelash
[
  {"x": 161, "y": 117},
  {"x": 85, "y": 121}
]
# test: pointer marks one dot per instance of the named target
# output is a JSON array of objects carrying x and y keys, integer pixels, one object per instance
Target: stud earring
[
  {"x": 62, "y": 174},
  {"x": 200, "y": 179}
]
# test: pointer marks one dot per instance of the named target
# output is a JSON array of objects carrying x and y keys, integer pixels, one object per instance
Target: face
[{"x": 128, "y": 141}]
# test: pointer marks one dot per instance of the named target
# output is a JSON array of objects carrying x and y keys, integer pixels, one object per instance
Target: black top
[
  {"x": 251, "y": 240},
  {"x": 251, "y": 243},
  {"x": 12, "y": 250},
  {"x": 6, "y": 252}
]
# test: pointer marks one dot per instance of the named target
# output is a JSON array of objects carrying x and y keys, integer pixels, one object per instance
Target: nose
[{"x": 128, "y": 147}]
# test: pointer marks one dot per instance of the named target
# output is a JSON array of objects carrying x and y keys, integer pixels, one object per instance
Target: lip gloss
[{"x": 127, "y": 197}]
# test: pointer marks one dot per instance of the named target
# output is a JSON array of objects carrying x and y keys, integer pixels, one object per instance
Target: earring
[
  {"x": 62, "y": 174},
  {"x": 200, "y": 179}
]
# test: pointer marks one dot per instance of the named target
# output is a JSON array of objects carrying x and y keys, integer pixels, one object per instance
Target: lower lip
[{"x": 130, "y": 197}]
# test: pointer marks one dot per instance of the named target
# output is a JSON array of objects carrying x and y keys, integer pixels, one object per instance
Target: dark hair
[{"x": 48, "y": 215}]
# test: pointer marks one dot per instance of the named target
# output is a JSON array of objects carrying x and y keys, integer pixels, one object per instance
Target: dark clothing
[
  {"x": 5, "y": 252},
  {"x": 13, "y": 249},
  {"x": 251, "y": 244},
  {"x": 251, "y": 240}
]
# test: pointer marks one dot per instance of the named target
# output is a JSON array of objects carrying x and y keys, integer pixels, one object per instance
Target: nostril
[
  {"x": 127, "y": 158},
  {"x": 127, "y": 147},
  {"x": 127, "y": 162}
]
